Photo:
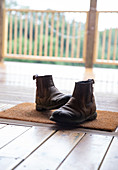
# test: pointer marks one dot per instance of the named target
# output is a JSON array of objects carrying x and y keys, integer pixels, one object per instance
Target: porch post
[
  {"x": 2, "y": 6},
  {"x": 91, "y": 34}
]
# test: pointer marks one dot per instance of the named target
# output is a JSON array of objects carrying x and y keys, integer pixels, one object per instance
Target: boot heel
[
  {"x": 38, "y": 108},
  {"x": 92, "y": 117}
]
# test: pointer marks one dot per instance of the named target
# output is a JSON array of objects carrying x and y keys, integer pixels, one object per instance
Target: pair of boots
[{"x": 72, "y": 109}]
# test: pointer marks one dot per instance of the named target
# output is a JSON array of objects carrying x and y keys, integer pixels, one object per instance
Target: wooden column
[
  {"x": 91, "y": 34},
  {"x": 2, "y": 6}
]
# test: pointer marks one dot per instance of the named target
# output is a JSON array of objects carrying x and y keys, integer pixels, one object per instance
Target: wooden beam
[
  {"x": 91, "y": 34},
  {"x": 2, "y": 7}
]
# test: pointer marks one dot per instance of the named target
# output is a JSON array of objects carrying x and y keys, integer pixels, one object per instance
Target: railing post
[
  {"x": 91, "y": 34},
  {"x": 2, "y": 7}
]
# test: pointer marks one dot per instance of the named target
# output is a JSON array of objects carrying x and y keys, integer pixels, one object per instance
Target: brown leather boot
[
  {"x": 47, "y": 95},
  {"x": 80, "y": 107}
]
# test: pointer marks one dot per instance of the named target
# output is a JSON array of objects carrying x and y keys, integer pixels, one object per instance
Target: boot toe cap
[
  {"x": 61, "y": 116},
  {"x": 58, "y": 102}
]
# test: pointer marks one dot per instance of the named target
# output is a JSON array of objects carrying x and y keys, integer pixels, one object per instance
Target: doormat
[{"x": 106, "y": 120}]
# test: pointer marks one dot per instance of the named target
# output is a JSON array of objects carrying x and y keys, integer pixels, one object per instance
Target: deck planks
[
  {"x": 6, "y": 106},
  {"x": 111, "y": 159},
  {"x": 41, "y": 147},
  {"x": 9, "y": 133},
  {"x": 2, "y": 125},
  {"x": 53, "y": 151},
  {"x": 25, "y": 144},
  {"x": 88, "y": 154},
  {"x": 8, "y": 162},
  {"x": 2, "y": 106}
]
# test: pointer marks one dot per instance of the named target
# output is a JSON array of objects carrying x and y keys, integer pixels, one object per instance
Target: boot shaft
[
  {"x": 42, "y": 84},
  {"x": 83, "y": 91},
  {"x": 46, "y": 80}
]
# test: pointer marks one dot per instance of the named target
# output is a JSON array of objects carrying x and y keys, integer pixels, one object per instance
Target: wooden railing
[
  {"x": 107, "y": 38},
  {"x": 58, "y": 36},
  {"x": 46, "y": 35}
]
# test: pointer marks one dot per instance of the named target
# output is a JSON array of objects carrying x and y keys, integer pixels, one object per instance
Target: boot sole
[
  {"x": 94, "y": 116},
  {"x": 75, "y": 122},
  {"x": 39, "y": 108}
]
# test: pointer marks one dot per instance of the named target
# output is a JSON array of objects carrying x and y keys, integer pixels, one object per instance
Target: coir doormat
[{"x": 106, "y": 120}]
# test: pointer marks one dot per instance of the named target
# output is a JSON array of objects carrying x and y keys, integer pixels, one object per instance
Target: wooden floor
[{"x": 27, "y": 145}]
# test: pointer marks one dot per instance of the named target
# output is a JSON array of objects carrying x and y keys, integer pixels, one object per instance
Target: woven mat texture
[{"x": 106, "y": 120}]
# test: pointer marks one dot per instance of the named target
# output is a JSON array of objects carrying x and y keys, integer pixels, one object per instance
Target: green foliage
[{"x": 106, "y": 45}]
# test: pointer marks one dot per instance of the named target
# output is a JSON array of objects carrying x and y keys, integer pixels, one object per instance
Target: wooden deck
[{"x": 26, "y": 145}]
